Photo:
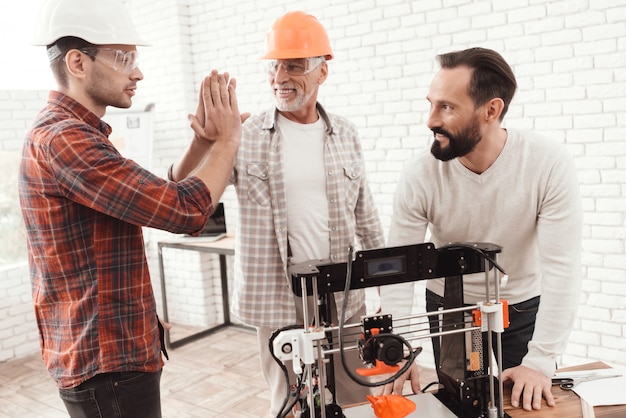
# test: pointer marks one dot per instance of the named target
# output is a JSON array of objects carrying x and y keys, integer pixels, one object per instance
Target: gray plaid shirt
[{"x": 262, "y": 295}]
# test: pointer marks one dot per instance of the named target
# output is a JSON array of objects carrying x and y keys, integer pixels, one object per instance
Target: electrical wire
[
  {"x": 485, "y": 256},
  {"x": 429, "y": 385},
  {"x": 284, "y": 408},
  {"x": 460, "y": 245},
  {"x": 409, "y": 359}
]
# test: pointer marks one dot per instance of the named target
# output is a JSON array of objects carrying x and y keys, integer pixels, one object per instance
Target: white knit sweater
[{"x": 527, "y": 202}]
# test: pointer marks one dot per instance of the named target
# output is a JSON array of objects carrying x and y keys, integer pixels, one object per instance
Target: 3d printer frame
[{"x": 462, "y": 371}]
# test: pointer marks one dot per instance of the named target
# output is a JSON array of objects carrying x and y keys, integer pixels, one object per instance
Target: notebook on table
[{"x": 215, "y": 228}]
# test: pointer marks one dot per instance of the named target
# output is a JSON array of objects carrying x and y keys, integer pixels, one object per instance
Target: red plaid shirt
[{"x": 83, "y": 206}]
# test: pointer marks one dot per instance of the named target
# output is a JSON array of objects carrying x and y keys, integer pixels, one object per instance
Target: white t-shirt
[{"x": 305, "y": 187}]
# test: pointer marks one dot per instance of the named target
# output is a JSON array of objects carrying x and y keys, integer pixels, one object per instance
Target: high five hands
[{"x": 217, "y": 115}]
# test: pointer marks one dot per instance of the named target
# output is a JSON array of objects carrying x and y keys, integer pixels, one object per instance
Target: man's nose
[{"x": 433, "y": 120}]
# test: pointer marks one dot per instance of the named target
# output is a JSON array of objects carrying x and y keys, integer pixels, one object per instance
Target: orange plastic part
[
  {"x": 391, "y": 406},
  {"x": 477, "y": 318},
  {"x": 379, "y": 368},
  {"x": 505, "y": 312}
]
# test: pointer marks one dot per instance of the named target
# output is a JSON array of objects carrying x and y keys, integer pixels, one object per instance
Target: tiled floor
[{"x": 215, "y": 376}]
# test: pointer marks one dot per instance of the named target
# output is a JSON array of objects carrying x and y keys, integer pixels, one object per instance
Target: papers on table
[{"x": 609, "y": 391}]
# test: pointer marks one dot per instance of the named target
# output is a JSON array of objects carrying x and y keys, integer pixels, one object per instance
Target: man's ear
[
  {"x": 323, "y": 73},
  {"x": 75, "y": 63},
  {"x": 493, "y": 110}
]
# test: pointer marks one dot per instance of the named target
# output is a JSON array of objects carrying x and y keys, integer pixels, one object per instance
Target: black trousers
[
  {"x": 115, "y": 395},
  {"x": 515, "y": 338}
]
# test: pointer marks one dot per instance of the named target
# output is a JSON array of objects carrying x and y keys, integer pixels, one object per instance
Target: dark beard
[{"x": 458, "y": 145}]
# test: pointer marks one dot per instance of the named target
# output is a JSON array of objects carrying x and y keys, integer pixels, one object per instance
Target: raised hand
[
  {"x": 217, "y": 100},
  {"x": 201, "y": 126}
]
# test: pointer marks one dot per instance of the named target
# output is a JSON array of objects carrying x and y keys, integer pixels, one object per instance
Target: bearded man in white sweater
[{"x": 484, "y": 183}]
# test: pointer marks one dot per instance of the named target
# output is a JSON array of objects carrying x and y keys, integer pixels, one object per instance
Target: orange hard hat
[{"x": 297, "y": 35}]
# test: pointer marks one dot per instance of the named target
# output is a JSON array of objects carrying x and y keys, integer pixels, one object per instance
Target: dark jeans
[
  {"x": 115, "y": 395},
  {"x": 515, "y": 338}
]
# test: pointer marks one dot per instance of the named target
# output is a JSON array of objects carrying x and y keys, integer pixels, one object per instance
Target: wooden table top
[{"x": 568, "y": 404}]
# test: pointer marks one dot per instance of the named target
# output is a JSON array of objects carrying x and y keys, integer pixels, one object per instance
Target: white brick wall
[
  {"x": 569, "y": 58},
  {"x": 193, "y": 287},
  {"x": 18, "y": 330}
]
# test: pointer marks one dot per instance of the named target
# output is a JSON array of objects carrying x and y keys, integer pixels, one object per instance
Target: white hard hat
[{"x": 100, "y": 22}]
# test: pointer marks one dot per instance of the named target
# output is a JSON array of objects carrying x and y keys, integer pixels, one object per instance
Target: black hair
[
  {"x": 57, "y": 52},
  {"x": 492, "y": 77}
]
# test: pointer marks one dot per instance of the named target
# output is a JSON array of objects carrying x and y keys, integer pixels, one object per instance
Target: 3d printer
[{"x": 470, "y": 378}]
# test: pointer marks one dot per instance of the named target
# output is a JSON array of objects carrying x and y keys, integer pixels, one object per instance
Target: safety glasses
[
  {"x": 121, "y": 61},
  {"x": 297, "y": 66}
]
